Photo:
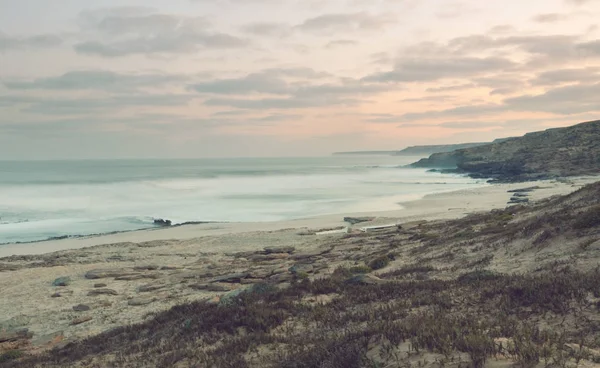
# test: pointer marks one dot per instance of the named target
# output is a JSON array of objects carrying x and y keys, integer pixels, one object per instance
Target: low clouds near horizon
[{"x": 206, "y": 78}]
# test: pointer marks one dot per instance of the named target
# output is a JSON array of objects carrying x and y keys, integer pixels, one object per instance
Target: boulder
[
  {"x": 102, "y": 292},
  {"x": 162, "y": 222},
  {"x": 62, "y": 281},
  {"x": 80, "y": 320},
  {"x": 141, "y": 301},
  {"x": 109, "y": 272},
  {"x": 81, "y": 308},
  {"x": 269, "y": 250}
]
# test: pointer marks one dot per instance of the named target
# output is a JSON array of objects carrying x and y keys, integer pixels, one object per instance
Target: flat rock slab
[
  {"x": 146, "y": 267},
  {"x": 102, "y": 292},
  {"x": 141, "y": 301},
  {"x": 358, "y": 220},
  {"x": 81, "y": 308},
  {"x": 151, "y": 287},
  {"x": 80, "y": 320},
  {"x": 301, "y": 268},
  {"x": 270, "y": 250},
  {"x": 268, "y": 257},
  {"x": 213, "y": 287},
  {"x": 100, "y": 285},
  {"x": 232, "y": 277},
  {"x": 109, "y": 272}
]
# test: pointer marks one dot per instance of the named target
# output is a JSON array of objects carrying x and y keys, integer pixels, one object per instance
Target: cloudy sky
[{"x": 212, "y": 78}]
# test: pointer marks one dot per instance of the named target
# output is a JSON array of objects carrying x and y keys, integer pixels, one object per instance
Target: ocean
[{"x": 40, "y": 200}]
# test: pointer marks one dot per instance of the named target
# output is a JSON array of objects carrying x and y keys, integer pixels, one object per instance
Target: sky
[{"x": 251, "y": 78}]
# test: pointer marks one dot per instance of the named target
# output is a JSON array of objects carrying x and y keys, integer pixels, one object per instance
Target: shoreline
[{"x": 437, "y": 206}]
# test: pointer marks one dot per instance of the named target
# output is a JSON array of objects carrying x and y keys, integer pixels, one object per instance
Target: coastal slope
[{"x": 552, "y": 153}]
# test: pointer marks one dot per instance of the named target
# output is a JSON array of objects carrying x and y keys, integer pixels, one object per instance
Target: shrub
[
  {"x": 379, "y": 263},
  {"x": 588, "y": 219},
  {"x": 10, "y": 355}
]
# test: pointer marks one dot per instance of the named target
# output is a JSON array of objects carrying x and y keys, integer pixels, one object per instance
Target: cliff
[{"x": 551, "y": 153}]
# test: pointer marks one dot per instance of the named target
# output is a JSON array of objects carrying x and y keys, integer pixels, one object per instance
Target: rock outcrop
[{"x": 552, "y": 153}]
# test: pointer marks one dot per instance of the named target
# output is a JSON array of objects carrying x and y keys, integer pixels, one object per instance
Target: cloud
[
  {"x": 296, "y": 88},
  {"x": 591, "y": 48},
  {"x": 281, "y": 103},
  {"x": 341, "y": 43},
  {"x": 95, "y": 80},
  {"x": 563, "y": 100},
  {"x": 571, "y": 75},
  {"x": 420, "y": 70},
  {"x": 86, "y": 105},
  {"x": 129, "y": 31},
  {"x": 38, "y": 41},
  {"x": 549, "y": 18},
  {"x": 267, "y": 29},
  {"x": 269, "y": 81},
  {"x": 346, "y": 22},
  {"x": 457, "y": 87}
]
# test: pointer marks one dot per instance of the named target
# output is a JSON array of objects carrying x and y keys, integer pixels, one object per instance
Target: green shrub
[
  {"x": 10, "y": 355},
  {"x": 360, "y": 269}
]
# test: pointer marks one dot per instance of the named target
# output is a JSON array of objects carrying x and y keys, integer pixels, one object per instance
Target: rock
[
  {"x": 516, "y": 200},
  {"x": 102, "y": 292},
  {"x": 213, "y": 287},
  {"x": 523, "y": 190},
  {"x": 232, "y": 278},
  {"x": 80, "y": 320},
  {"x": 301, "y": 268},
  {"x": 366, "y": 279},
  {"x": 521, "y": 195},
  {"x": 62, "y": 281},
  {"x": 81, "y": 308},
  {"x": 161, "y": 222},
  {"x": 150, "y": 287},
  {"x": 282, "y": 277},
  {"x": 260, "y": 273},
  {"x": 172, "y": 268},
  {"x": 250, "y": 281},
  {"x": 309, "y": 254},
  {"x": 99, "y": 285},
  {"x": 62, "y": 293},
  {"x": 146, "y": 267},
  {"x": 15, "y": 334},
  {"x": 141, "y": 301},
  {"x": 269, "y": 250},
  {"x": 358, "y": 220},
  {"x": 137, "y": 276},
  {"x": 268, "y": 257},
  {"x": 105, "y": 273}
]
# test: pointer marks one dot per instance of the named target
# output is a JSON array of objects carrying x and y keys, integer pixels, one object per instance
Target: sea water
[{"x": 40, "y": 200}]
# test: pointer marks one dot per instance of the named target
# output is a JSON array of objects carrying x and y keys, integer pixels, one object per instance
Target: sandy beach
[{"x": 117, "y": 279}]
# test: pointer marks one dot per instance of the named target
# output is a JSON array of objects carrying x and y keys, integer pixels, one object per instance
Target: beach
[{"x": 144, "y": 272}]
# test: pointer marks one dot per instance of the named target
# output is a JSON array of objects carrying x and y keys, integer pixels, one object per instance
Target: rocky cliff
[{"x": 552, "y": 153}]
